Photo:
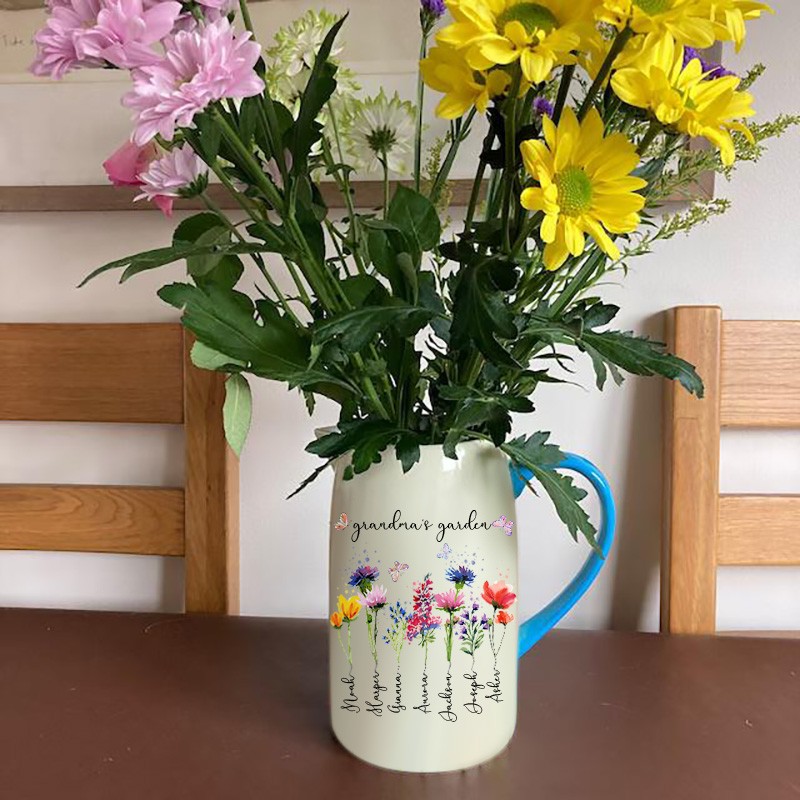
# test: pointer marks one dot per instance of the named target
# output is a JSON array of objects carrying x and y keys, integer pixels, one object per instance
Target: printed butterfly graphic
[
  {"x": 446, "y": 550},
  {"x": 397, "y": 570},
  {"x": 505, "y": 524},
  {"x": 342, "y": 523}
]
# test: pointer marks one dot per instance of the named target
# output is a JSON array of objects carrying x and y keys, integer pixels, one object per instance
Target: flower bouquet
[{"x": 422, "y": 331}]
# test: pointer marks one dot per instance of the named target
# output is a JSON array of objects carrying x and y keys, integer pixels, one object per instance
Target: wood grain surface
[
  {"x": 92, "y": 519},
  {"x": 91, "y": 373}
]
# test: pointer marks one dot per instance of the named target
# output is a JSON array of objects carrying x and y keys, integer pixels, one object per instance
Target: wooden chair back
[
  {"x": 126, "y": 373},
  {"x": 751, "y": 372}
]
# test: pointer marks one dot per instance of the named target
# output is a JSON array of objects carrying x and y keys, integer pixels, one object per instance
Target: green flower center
[
  {"x": 532, "y": 16},
  {"x": 382, "y": 140},
  {"x": 653, "y": 6},
  {"x": 574, "y": 191}
]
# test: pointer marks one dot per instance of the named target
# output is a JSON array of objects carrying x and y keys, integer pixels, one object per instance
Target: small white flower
[
  {"x": 296, "y": 46},
  {"x": 382, "y": 131}
]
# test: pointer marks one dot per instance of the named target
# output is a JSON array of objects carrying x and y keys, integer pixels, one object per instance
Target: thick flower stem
[
  {"x": 511, "y": 157},
  {"x": 577, "y": 284},
  {"x": 423, "y": 52},
  {"x": 563, "y": 91},
  {"x": 653, "y": 131},
  {"x": 623, "y": 37},
  {"x": 459, "y": 136}
]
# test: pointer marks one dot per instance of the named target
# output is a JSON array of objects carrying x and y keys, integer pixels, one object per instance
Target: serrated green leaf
[
  {"x": 204, "y": 357},
  {"x": 357, "y": 328}
]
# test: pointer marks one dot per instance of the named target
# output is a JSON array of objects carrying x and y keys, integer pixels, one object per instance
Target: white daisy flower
[
  {"x": 382, "y": 131},
  {"x": 296, "y": 46}
]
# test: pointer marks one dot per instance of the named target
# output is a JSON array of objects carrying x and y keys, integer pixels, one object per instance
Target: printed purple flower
[
  {"x": 126, "y": 31},
  {"x": 375, "y": 597},
  {"x": 461, "y": 576},
  {"x": 363, "y": 577},
  {"x": 170, "y": 176},
  {"x": 56, "y": 42},
  {"x": 200, "y": 67},
  {"x": 542, "y": 107},
  {"x": 711, "y": 69}
]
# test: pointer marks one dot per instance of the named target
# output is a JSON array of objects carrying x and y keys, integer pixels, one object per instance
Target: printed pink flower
[
  {"x": 200, "y": 67},
  {"x": 125, "y": 166},
  {"x": 375, "y": 597},
  {"x": 451, "y": 600},
  {"x": 498, "y": 595},
  {"x": 57, "y": 42},
  {"x": 126, "y": 32},
  {"x": 168, "y": 176}
]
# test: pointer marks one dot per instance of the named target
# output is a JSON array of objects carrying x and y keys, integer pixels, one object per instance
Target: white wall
[{"x": 747, "y": 262}]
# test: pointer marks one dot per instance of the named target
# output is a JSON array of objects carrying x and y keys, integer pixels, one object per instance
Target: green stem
[
  {"x": 444, "y": 172},
  {"x": 511, "y": 156},
  {"x": 385, "y": 187},
  {"x": 577, "y": 284},
  {"x": 423, "y": 52},
  {"x": 563, "y": 91},
  {"x": 647, "y": 139},
  {"x": 623, "y": 37}
]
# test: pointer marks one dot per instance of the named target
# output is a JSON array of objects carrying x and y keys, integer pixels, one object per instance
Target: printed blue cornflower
[{"x": 461, "y": 576}]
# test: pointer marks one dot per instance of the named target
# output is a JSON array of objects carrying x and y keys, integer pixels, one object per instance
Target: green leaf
[
  {"x": 642, "y": 356},
  {"x": 416, "y": 217},
  {"x": 321, "y": 85},
  {"x": 225, "y": 275},
  {"x": 237, "y": 412},
  {"x": 357, "y": 328},
  {"x": 367, "y": 439},
  {"x": 192, "y": 228},
  {"x": 480, "y": 316},
  {"x": 153, "y": 259},
  {"x": 201, "y": 265},
  {"x": 540, "y": 457},
  {"x": 204, "y": 357},
  {"x": 407, "y": 450}
]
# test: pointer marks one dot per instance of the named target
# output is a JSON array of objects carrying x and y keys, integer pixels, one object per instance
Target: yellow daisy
[
  {"x": 585, "y": 186},
  {"x": 684, "y": 98},
  {"x": 446, "y": 70},
  {"x": 730, "y": 16},
  {"x": 688, "y": 21},
  {"x": 539, "y": 36}
]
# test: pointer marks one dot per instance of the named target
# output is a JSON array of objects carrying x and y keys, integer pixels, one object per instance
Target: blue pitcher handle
[{"x": 539, "y": 624}]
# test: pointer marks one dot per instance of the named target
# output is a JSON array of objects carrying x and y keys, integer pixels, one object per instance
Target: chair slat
[
  {"x": 760, "y": 374},
  {"x": 688, "y": 586},
  {"x": 93, "y": 519},
  {"x": 212, "y": 497},
  {"x": 759, "y": 530},
  {"x": 92, "y": 373}
]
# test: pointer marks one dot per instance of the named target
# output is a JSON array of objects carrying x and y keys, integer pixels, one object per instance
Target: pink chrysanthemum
[
  {"x": 450, "y": 601},
  {"x": 57, "y": 42},
  {"x": 126, "y": 31},
  {"x": 169, "y": 175},
  {"x": 200, "y": 67},
  {"x": 375, "y": 597}
]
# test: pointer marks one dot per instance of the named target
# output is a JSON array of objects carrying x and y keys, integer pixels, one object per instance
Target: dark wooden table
[{"x": 145, "y": 707}]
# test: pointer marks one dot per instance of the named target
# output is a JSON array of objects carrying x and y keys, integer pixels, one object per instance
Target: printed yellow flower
[
  {"x": 730, "y": 17},
  {"x": 446, "y": 70},
  {"x": 585, "y": 186},
  {"x": 688, "y": 21},
  {"x": 539, "y": 36},
  {"x": 349, "y": 607},
  {"x": 684, "y": 98},
  {"x": 337, "y": 619}
]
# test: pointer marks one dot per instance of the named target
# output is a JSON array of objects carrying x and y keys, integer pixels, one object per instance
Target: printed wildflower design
[
  {"x": 422, "y": 625},
  {"x": 395, "y": 637},
  {"x": 450, "y": 602},
  {"x": 363, "y": 576},
  {"x": 500, "y": 597},
  {"x": 471, "y": 630},
  {"x": 374, "y": 600},
  {"x": 348, "y": 610},
  {"x": 461, "y": 576}
]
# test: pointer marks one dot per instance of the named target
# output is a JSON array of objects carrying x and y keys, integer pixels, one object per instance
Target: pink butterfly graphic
[
  {"x": 446, "y": 550},
  {"x": 397, "y": 570},
  {"x": 342, "y": 523},
  {"x": 505, "y": 524}
]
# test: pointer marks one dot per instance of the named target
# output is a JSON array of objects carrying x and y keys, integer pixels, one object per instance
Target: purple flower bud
[
  {"x": 543, "y": 107},
  {"x": 434, "y": 8},
  {"x": 710, "y": 69}
]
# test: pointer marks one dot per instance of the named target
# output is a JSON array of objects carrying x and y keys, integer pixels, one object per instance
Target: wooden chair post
[
  {"x": 212, "y": 495},
  {"x": 691, "y": 452}
]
